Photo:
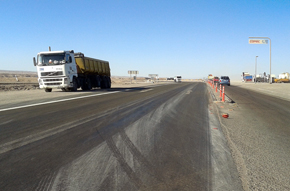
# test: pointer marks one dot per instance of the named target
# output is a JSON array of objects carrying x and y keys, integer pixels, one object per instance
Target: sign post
[
  {"x": 133, "y": 72},
  {"x": 153, "y": 76},
  {"x": 261, "y": 40}
]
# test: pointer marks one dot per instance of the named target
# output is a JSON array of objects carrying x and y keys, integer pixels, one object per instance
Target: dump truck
[{"x": 69, "y": 71}]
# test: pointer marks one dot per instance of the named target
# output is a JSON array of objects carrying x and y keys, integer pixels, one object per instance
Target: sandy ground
[
  {"x": 257, "y": 133},
  {"x": 280, "y": 90}
]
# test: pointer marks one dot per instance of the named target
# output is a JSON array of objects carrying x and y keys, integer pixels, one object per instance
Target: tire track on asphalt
[
  {"x": 108, "y": 182},
  {"x": 141, "y": 159},
  {"x": 129, "y": 145},
  {"x": 46, "y": 182},
  {"x": 55, "y": 130},
  {"x": 124, "y": 165}
]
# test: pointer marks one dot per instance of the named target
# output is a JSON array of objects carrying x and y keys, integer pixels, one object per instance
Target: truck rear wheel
[
  {"x": 98, "y": 81},
  {"x": 47, "y": 90},
  {"x": 103, "y": 82},
  {"x": 84, "y": 84},
  {"x": 89, "y": 84},
  {"x": 109, "y": 82}
]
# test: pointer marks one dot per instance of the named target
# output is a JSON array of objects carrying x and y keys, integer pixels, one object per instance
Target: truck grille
[
  {"x": 52, "y": 73},
  {"x": 52, "y": 80},
  {"x": 53, "y": 84}
]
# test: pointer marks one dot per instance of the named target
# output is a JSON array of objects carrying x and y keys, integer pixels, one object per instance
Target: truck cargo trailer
[{"x": 69, "y": 71}]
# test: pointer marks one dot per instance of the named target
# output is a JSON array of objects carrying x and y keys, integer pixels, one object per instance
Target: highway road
[{"x": 164, "y": 137}]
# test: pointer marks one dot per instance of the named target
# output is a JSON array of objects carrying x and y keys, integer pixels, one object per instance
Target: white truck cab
[
  {"x": 177, "y": 78},
  {"x": 56, "y": 69}
]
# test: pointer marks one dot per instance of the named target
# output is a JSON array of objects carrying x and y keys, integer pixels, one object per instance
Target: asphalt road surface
[{"x": 156, "y": 138}]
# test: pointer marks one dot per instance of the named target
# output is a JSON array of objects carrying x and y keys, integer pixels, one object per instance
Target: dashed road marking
[{"x": 145, "y": 90}]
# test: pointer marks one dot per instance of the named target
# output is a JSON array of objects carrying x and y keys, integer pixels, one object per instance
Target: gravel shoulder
[
  {"x": 258, "y": 134},
  {"x": 279, "y": 90}
]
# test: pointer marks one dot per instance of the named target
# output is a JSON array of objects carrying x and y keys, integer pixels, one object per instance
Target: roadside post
[
  {"x": 220, "y": 90},
  {"x": 215, "y": 87},
  {"x": 256, "y": 70},
  {"x": 133, "y": 72},
  {"x": 153, "y": 76},
  {"x": 223, "y": 98},
  {"x": 254, "y": 40}
]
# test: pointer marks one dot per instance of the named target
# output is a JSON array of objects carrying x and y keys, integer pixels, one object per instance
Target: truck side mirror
[{"x": 34, "y": 62}]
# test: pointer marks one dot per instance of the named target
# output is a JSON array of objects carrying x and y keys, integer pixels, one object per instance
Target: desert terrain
[{"x": 25, "y": 80}]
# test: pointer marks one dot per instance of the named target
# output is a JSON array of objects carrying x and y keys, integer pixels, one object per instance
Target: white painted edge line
[
  {"x": 145, "y": 90},
  {"x": 68, "y": 99}
]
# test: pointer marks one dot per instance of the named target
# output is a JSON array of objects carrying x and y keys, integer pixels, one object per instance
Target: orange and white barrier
[{"x": 223, "y": 98}]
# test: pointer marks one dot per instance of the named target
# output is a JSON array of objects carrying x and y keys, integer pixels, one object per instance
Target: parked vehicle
[
  {"x": 246, "y": 77},
  {"x": 225, "y": 80},
  {"x": 216, "y": 79},
  {"x": 283, "y": 78},
  {"x": 69, "y": 71},
  {"x": 210, "y": 77}
]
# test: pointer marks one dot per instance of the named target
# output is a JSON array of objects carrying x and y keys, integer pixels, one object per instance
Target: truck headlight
[{"x": 40, "y": 82}]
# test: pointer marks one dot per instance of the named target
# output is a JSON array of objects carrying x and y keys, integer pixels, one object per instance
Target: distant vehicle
[
  {"x": 171, "y": 78},
  {"x": 246, "y": 77},
  {"x": 177, "y": 79},
  {"x": 283, "y": 78},
  {"x": 69, "y": 71},
  {"x": 225, "y": 80},
  {"x": 210, "y": 77},
  {"x": 216, "y": 79}
]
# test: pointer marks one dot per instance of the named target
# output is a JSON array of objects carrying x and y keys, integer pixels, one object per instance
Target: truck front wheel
[
  {"x": 75, "y": 85},
  {"x": 47, "y": 90}
]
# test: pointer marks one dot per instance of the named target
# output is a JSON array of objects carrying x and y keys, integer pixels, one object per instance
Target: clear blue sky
[{"x": 165, "y": 37}]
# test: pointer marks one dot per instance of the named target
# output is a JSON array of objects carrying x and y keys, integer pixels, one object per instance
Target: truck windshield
[{"x": 51, "y": 59}]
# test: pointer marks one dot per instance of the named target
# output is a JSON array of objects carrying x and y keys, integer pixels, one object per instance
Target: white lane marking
[
  {"x": 5, "y": 122},
  {"x": 189, "y": 91},
  {"x": 145, "y": 90},
  {"x": 68, "y": 99}
]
